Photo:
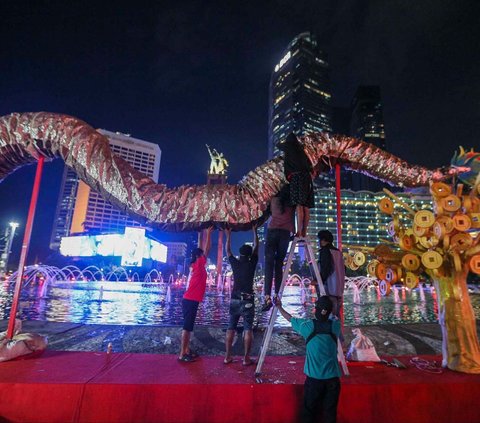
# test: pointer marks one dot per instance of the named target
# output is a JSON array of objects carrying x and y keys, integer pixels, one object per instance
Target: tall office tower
[
  {"x": 299, "y": 92},
  {"x": 367, "y": 124},
  {"x": 80, "y": 209}
]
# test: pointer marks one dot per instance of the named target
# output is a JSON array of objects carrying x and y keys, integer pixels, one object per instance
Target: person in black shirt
[
  {"x": 298, "y": 171},
  {"x": 242, "y": 301}
]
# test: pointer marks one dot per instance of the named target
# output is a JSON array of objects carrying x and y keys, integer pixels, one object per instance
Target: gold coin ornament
[
  {"x": 381, "y": 271},
  {"x": 410, "y": 262},
  {"x": 386, "y": 205},
  {"x": 384, "y": 287},
  {"x": 474, "y": 264},
  {"x": 391, "y": 228},
  {"x": 391, "y": 276},
  {"x": 419, "y": 231},
  {"x": 439, "y": 230},
  {"x": 461, "y": 241},
  {"x": 461, "y": 222},
  {"x": 475, "y": 219},
  {"x": 447, "y": 222},
  {"x": 359, "y": 258},
  {"x": 424, "y": 218},
  {"x": 371, "y": 267},
  {"x": 353, "y": 266},
  {"x": 406, "y": 242},
  {"x": 451, "y": 203},
  {"x": 411, "y": 280},
  {"x": 440, "y": 189},
  {"x": 432, "y": 260}
]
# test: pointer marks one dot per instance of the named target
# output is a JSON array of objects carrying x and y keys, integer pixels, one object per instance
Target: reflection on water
[{"x": 131, "y": 303}]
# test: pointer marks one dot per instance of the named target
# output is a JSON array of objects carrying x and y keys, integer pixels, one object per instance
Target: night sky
[{"x": 186, "y": 73}]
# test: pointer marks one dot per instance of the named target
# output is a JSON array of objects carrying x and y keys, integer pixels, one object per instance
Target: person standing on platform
[
  {"x": 280, "y": 227},
  {"x": 299, "y": 172},
  {"x": 322, "y": 383},
  {"x": 193, "y": 296},
  {"x": 332, "y": 270},
  {"x": 242, "y": 303}
]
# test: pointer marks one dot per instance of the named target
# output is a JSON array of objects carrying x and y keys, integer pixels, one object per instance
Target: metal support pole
[
  {"x": 339, "y": 206},
  {"x": 25, "y": 245},
  {"x": 219, "y": 257},
  {"x": 338, "y": 195}
]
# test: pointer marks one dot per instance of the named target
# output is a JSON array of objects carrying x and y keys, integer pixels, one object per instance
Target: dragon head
[{"x": 469, "y": 162}]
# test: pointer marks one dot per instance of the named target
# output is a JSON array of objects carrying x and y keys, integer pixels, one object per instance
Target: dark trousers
[
  {"x": 320, "y": 394},
  {"x": 276, "y": 247}
]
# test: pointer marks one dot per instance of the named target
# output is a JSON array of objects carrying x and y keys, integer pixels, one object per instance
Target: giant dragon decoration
[{"x": 25, "y": 137}]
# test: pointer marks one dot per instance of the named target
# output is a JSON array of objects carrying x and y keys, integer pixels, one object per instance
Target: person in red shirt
[{"x": 193, "y": 295}]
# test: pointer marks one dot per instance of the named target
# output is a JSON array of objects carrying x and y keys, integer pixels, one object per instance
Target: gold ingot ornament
[
  {"x": 432, "y": 260},
  {"x": 424, "y": 218}
]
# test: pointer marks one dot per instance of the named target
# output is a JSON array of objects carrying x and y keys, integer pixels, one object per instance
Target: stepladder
[{"x": 320, "y": 289}]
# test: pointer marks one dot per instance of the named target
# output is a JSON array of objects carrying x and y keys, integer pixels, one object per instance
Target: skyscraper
[
  {"x": 367, "y": 124},
  {"x": 80, "y": 209},
  {"x": 299, "y": 92}
]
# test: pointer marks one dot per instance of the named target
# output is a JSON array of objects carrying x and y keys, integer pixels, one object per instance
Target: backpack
[{"x": 318, "y": 330}]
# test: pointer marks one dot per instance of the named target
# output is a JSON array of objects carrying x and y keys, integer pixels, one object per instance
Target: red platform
[{"x": 96, "y": 387}]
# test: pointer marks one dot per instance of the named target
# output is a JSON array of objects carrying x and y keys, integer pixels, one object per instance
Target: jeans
[
  {"x": 276, "y": 247},
  {"x": 320, "y": 394}
]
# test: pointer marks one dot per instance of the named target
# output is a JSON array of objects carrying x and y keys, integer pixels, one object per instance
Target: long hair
[
  {"x": 196, "y": 253},
  {"x": 284, "y": 197}
]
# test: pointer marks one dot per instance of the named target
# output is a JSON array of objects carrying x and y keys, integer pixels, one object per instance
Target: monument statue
[{"x": 218, "y": 163}]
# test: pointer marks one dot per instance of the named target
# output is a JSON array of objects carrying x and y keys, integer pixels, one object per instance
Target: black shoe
[{"x": 267, "y": 305}]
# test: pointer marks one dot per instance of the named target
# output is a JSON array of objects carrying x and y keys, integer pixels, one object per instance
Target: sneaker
[
  {"x": 267, "y": 305},
  {"x": 186, "y": 359}
]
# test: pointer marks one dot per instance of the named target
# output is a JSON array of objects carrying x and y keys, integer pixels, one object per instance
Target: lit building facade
[
  {"x": 300, "y": 94},
  {"x": 363, "y": 224},
  {"x": 368, "y": 125},
  {"x": 80, "y": 209}
]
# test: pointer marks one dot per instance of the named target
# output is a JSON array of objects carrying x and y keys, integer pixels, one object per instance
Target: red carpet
[{"x": 96, "y": 387}]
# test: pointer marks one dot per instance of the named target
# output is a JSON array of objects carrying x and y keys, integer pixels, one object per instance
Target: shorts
[
  {"x": 189, "y": 309},
  {"x": 241, "y": 308}
]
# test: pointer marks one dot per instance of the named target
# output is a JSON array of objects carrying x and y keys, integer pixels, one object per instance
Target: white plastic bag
[{"x": 361, "y": 348}]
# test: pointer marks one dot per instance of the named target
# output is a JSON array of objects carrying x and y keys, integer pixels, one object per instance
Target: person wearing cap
[
  {"x": 242, "y": 303},
  {"x": 322, "y": 383},
  {"x": 332, "y": 270},
  {"x": 299, "y": 172}
]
